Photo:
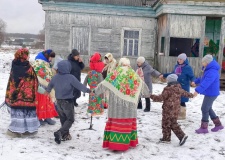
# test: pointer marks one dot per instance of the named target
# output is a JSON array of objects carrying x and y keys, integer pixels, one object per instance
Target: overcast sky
[{"x": 22, "y": 16}]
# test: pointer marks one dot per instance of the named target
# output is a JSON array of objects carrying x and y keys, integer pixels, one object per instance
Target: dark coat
[
  {"x": 76, "y": 71},
  {"x": 171, "y": 99},
  {"x": 184, "y": 78},
  {"x": 209, "y": 83}
]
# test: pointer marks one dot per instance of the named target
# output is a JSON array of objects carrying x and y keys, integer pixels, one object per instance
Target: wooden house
[
  {"x": 121, "y": 27},
  {"x": 194, "y": 27},
  {"x": 158, "y": 30}
]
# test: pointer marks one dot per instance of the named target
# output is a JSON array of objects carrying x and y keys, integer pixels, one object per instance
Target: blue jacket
[
  {"x": 209, "y": 83},
  {"x": 184, "y": 78},
  {"x": 41, "y": 56},
  {"x": 64, "y": 82}
]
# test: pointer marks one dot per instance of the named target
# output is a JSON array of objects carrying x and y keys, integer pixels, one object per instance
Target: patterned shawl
[
  {"x": 22, "y": 85},
  {"x": 124, "y": 83}
]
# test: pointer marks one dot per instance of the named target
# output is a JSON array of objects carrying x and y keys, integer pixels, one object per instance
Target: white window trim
[{"x": 139, "y": 40}]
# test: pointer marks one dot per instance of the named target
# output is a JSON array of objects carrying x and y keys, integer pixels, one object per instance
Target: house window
[
  {"x": 189, "y": 46},
  {"x": 131, "y": 43}
]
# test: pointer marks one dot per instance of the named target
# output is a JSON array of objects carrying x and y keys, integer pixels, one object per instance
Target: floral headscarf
[{"x": 21, "y": 54}]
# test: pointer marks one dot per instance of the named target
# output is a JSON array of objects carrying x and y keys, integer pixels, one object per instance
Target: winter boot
[
  {"x": 182, "y": 114},
  {"x": 147, "y": 105},
  {"x": 42, "y": 122},
  {"x": 163, "y": 140},
  {"x": 66, "y": 137},
  {"x": 183, "y": 140},
  {"x": 139, "y": 104},
  {"x": 218, "y": 125},
  {"x": 203, "y": 129},
  {"x": 50, "y": 121},
  {"x": 58, "y": 137}
]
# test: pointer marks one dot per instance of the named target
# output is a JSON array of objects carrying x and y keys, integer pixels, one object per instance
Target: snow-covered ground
[{"x": 87, "y": 144}]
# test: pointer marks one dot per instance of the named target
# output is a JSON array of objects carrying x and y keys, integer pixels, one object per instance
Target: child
[
  {"x": 171, "y": 105},
  {"x": 64, "y": 83},
  {"x": 93, "y": 78}
]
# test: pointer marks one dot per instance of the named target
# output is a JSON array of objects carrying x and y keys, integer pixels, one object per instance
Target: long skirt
[
  {"x": 120, "y": 134},
  {"x": 96, "y": 105},
  {"x": 23, "y": 120},
  {"x": 45, "y": 108}
]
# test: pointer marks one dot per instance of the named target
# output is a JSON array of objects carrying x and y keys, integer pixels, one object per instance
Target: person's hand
[
  {"x": 161, "y": 76},
  {"x": 193, "y": 84},
  {"x": 80, "y": 59},
  {"x": 195, "y": 94}
]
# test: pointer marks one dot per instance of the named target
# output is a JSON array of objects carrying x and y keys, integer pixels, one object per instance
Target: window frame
[{"x": 122, "y": 41}]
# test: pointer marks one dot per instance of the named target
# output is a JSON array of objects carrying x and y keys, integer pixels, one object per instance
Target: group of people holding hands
[{"x": 112, "y": 85}]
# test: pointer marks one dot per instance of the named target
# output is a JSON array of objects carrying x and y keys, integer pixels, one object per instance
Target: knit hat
[
  {"x": 141, "y": 60},
  {"x": 124, "y": 62},
  {"x": 207, "y": 59},
  {"x": 75, "y": 52},
  {"x": 172, "y": 78},
  {"x": 182, "y": 56}
]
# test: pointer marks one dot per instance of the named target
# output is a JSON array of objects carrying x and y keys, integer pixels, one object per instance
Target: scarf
[
  {"x": 178, "y": 69},
  {"x": 124, "y": 83},
  {"x": 22, "y": 85},
  {"x": 140, "y": 72}
]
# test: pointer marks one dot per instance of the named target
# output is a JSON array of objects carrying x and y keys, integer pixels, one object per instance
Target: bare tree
[
  {"x": 2, "y": 31},
  {"x": 41, "y": 34}
]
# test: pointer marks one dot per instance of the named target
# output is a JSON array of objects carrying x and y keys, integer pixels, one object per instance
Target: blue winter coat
[
  {"x": 184, "y": 78},
  {"x": 209, "y": 83}
]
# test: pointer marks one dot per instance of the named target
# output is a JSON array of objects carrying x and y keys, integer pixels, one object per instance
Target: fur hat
[
  {"x": 182, "y": 56},
  {"x": 141, "y": 60},
  {"x": 207, "y": 58},
  {"x": 124, "y": 62},
  {"x": 75, "y": 52},
  {"x": 172, "y": 78}
]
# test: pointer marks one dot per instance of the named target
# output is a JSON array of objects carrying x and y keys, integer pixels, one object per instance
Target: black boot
[
  {"x": 148, "y": 105},
  {"x": 139, "y": 104}
]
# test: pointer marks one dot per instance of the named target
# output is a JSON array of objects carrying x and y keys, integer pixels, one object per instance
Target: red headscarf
[{"x": 96, "y": 62}]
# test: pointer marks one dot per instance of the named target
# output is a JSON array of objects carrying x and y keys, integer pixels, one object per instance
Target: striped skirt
[
  {"x": 23, "y": 120},
  {"x": 120, "y": 134}
]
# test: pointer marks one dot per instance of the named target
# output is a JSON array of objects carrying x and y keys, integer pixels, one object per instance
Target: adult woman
[
  {"x": 145, "y": 71},
  {"x": 77, "y": 65},
  {"x": 125, "y": 88},
  {"x": 93, "y": 78},
  {"x": 45, "y": 107},
  {"x": 110, "y": 64},
  {"x": 185, "y": 75},
  {"x": 209, "y": 86},
  {"x": 21, "y": 95}
]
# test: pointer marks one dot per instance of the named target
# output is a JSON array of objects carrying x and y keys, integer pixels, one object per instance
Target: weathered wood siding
[
  {"x": 113, "y": 2},
  {"x": 180, "y": 26},
  {"x": 96, "y": 33},
  {"x": 222, "y": 42}
]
